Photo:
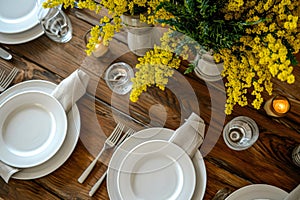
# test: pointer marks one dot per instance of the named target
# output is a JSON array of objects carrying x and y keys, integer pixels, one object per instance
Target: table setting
[
  {"x": 30, "y": 156},
  {"x": 74, "y": 123}
]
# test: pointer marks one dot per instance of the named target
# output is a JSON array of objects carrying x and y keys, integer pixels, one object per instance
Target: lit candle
[
  {"x": 281, "y": 106},
  {"x": 278, "y": 106},
  {"x": 100, "y": 49}
]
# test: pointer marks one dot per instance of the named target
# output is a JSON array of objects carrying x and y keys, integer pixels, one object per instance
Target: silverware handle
[
  {"x": 4, "y": 54},
  {"x": 88, "y": 170},
  {"x": 97, "y": 184}
]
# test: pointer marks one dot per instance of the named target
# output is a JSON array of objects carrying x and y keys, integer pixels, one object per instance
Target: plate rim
[
  {"x": 70, "y": 142},
  {"x": 250, "y": 188},
  {"x": 59, "y": 135},
  {"x": 32, "y": 17},
  {"x": 24, "y": 36},
  {"x": 198, "y": 161},
  {"x": 182, "y": 159}
]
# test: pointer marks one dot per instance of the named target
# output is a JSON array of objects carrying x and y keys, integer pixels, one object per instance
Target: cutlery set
[{"x": 112, "y": 141}]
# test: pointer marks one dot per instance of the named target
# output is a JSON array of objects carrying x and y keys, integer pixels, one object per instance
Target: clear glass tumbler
[
  {"x": 118, "y": 78},
  {"x": 56, "y": 25},
  {"x": 240, "y": 133}
]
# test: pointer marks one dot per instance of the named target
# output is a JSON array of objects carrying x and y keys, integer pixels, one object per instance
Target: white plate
[
  {"x": 19, "y": 38},
  {"x": 139, "y": 138},
  {"x": 71, "y": 138},
  {"x": 156, "y": 169},
  {"x": 18, "y": 15},
  {"x": 33, "y": 126},
  {"x": 22, "y": 37},
  {"x": 258, "y": 192}
]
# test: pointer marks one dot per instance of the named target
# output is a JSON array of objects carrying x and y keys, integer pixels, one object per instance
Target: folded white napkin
[
  {"x": 67, "y": 93},
  {"x": 71, "y": 89},
  {"x": 189, "y": 136},
  {"x": 7, "y": 171},
  {"x": 294, "y": 195}
]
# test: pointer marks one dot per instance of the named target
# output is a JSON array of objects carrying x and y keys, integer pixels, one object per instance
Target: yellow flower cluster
[
  {"x": 154, "y": 69},
  {"x": 265, "y": 51},
  {"x": 108, "y": 26}
]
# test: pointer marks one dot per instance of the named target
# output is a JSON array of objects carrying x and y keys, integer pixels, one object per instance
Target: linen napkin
[
  {"x": 7, "y": 171},
  {"x": 189, "y": 136},
  {"x": 67, "y": 93},
  {"x": 71, "y": 89},
  {"x": 294, "y": 195}
]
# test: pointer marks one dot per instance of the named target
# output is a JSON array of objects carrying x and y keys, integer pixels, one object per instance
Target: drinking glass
[
  {"x": 240, "y": 133},
  {"x": 118, "y": 78},
  {"x": 56, "y": 24}
]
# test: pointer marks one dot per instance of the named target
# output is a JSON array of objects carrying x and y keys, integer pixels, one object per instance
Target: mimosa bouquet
[{"x": 255, "y": 39}]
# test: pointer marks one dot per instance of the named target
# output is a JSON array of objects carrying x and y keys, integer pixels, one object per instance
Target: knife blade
[{"x": 4, "y": 54}]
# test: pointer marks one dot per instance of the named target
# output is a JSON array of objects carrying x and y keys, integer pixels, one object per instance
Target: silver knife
[{"x": 4, "y": 54}]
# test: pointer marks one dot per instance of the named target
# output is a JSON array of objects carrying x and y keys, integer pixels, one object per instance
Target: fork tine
[
  {"x": 10, "y": 77},
  {"x": 116, "y": 136},
  {"x": 128, "y": 133},
  {"x": 6, "y": 77},
  {"x": 116, "y": 128},
  {"x": 1, "y": 76}
]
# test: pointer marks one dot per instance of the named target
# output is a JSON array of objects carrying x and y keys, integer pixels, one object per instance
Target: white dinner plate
[
  {"x": 137, "y": 139},
  {"x": 156, "y": 169},
  {"x": 18, "y": 15},
  {"x": 22, "y": 37},
  {"x": 71, "y": 138},
  {"x": 33, "y": 126},
  {"x": 258, "y": 192}
]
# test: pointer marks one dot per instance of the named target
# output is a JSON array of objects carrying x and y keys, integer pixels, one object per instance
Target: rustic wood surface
[{"x": 268, "y": 161}]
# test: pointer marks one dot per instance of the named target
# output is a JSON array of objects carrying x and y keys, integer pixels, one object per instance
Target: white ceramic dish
[
  {"x": 258, "y": 191},
  {"x": 69, "y": 143},
  {"x": 139, "y": 138},
  {"x": 33, "y": 126},
  {"x": 18, "y": 15},
  {"x": 156, "y": 169},
  {"x": 22, "y": 37}
]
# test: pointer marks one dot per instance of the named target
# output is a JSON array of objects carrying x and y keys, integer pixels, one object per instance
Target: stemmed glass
[
  {"x": 240, "y": 133},
  {"x": 56, "y": 24}
]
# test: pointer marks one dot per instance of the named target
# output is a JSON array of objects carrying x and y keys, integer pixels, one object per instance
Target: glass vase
[{"x": 140, "y": 35}]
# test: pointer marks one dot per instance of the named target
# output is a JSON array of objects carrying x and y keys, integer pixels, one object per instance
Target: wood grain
[{"x": 268, "y": 161}]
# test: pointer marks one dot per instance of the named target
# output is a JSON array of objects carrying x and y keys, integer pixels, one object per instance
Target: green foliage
[{"x": 203, "y": 21}]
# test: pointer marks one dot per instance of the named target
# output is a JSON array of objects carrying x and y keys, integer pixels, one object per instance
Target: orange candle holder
[{"x": 278, "y": 106}]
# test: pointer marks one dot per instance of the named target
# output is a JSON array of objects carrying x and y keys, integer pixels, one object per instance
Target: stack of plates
[
  {"x": 36, "y": 135},
  {"x": 19, "y": 22},
  {"x": 147, "y": 166}
]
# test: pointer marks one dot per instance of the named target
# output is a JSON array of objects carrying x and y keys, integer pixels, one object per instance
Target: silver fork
[
  {"x": 110, "y": 142},
  {"x": 100, "y": 180},
  {"x": 5, "y": 80}
]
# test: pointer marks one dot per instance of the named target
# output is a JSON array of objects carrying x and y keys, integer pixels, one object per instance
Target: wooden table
[{"x": 268, "y": 161}]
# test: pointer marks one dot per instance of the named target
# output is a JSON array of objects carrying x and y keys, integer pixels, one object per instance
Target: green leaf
[{"x": 189, "y": 69}]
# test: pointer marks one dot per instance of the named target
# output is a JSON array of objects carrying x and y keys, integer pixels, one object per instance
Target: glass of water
[
  {"x": 56, "y": 25},
  {"x": 240, "y": 133},
  {"x": 118, "y": 78}
]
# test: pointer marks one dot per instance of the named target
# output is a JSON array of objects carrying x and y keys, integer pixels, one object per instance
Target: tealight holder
[
  {"x": 240, "y": 133},
  {"x": 296, "y": 155},
  {"x": 100, "y": 49},
  {"x": 278, "y": 106},
  {"x": 118, "y": 77}
]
